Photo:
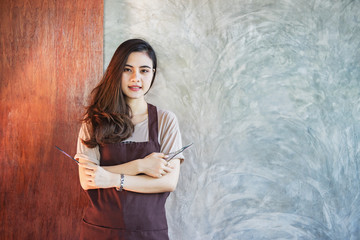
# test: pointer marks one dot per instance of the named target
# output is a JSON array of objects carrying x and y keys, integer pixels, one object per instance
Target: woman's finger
[
  {"x": 89, "y": 172},
  {"x": 164, "y": 163},
  {"x": 168, "y": 169},
  {"x": 91, "y": 183},
  {"x": 88, "y": 166},
  {"x": 91, "y": 167},
  {"x": 159, "y": 155}
]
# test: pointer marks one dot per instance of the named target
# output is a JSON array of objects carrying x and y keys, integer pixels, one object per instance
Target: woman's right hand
[
  {"x": 94, "y": 177},
  {"x": 155, "y": 165},
  {"x": 83, "y": 175}
]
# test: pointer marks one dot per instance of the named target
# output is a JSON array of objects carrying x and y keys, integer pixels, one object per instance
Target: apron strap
[{"x": 153, "y": 123}]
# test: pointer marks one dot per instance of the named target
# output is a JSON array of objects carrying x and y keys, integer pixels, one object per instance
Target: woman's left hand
[{"x": 97, "y": 177}]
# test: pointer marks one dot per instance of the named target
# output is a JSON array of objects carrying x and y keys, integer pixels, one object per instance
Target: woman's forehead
[{"x": 138, "y": 59}]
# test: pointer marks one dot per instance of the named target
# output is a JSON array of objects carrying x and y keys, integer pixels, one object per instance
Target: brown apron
[{"x": 127, "y": 215}]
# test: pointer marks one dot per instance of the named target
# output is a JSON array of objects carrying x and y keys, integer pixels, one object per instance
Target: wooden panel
[{"x": 51, "y": 57}]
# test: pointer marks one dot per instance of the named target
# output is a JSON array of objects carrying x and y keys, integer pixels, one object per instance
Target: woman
[{"x": 121, "y": 147}]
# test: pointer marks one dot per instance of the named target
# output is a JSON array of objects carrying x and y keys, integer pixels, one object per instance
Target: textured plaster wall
[{"x": 269, "y": 92}]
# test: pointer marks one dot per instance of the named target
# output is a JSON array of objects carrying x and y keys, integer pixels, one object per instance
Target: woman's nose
[{"x": 135, "y": 76}]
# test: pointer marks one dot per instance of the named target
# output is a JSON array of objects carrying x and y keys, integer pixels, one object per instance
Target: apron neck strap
[{"x": 153, "y": 122}]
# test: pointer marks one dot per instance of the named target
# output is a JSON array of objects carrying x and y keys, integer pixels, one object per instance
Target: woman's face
[{"x": 137, "y": 75}]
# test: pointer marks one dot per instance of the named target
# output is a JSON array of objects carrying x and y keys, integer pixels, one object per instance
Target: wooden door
[{"x": 51, "y": 57}]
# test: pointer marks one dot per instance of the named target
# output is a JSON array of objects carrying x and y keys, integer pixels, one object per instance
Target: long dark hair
[{"x": 108, "y": 115}]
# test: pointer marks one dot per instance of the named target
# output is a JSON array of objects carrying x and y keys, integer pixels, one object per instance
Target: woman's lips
[{"x": 135, "y": 88}]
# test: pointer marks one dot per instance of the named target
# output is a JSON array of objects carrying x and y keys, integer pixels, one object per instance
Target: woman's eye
[
  {"x": 127, "y": 70},
  {"x": 144, "y": 71}
]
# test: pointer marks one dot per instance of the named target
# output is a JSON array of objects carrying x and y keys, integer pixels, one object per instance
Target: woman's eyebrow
[{"x": 144, "y": 66}]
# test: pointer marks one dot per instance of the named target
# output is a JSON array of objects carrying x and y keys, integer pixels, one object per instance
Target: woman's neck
[{"x": 139, "y": 110}]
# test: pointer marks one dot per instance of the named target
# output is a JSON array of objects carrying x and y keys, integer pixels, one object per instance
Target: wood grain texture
[{"x": 51, "y": 58}]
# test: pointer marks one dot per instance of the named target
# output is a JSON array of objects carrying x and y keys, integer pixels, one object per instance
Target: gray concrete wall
[{"x": 268, "y": 91}]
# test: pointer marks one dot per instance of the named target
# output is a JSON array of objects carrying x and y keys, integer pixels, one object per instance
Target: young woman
[{"x": 122, "y": 149}]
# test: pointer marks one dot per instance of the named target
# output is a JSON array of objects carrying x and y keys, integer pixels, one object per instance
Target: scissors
[
  {"x": 173, "y": 154},
  {"x": 66, "y": 154}
]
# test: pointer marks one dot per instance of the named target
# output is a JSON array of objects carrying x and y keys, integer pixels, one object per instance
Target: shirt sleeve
[
  {"x": 169, "y": 133},
  {"x": 82, "y": 151}
]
